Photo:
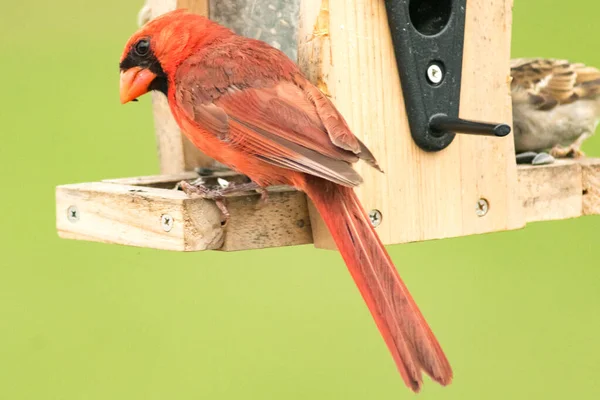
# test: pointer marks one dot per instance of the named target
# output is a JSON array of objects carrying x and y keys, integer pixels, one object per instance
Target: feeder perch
[{"x": 425, "y": 85}]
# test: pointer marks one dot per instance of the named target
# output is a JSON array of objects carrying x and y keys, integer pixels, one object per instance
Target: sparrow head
[{"x": 153, "y": 53}]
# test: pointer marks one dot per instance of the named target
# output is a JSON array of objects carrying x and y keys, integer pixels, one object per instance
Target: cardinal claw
[
  {"x": 264, "y": 198},
  {"x": 223, "y": 208},
  {"x": 190, "y": 189}
]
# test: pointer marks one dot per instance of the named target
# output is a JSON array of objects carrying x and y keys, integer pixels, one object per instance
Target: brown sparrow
[{"x": 556, "y": 105}]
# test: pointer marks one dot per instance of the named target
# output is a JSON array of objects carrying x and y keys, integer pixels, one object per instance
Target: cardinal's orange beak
[{"x": 134, "y": 83}]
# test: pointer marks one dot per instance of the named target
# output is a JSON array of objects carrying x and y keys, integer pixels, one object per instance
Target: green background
[{"x": 516, "y": 312}]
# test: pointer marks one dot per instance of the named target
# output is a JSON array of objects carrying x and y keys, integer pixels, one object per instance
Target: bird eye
[{"x": 142, "y": 47}]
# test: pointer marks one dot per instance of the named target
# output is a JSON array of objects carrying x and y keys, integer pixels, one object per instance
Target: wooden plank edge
[
  {"x": 137, "y": 216},
  {"x": 562, "y": 190},
  {"x": 166, "y": 219},
  {"x": 550, "y": 192},
  {"x": 590, "y": 169}
]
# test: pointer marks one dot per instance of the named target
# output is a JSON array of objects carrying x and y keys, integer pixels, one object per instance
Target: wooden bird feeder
[{"x": 436, "y": 184}]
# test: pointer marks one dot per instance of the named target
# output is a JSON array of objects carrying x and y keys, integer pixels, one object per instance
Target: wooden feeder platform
[{"x": 148, "y": 212}]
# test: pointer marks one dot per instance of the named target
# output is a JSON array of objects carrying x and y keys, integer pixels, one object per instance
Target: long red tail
[{"x": 407, "y": 335}]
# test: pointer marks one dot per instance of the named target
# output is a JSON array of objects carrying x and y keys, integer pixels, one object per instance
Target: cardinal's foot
[{"x": 198, "y": 189}]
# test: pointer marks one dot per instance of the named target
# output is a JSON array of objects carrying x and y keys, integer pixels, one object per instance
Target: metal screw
[
  {"x": 482, "y": 207},
  {"x": 435, "y": 74},
  {"x": 375, "y": 217},
  {"x": 73, "y": 214},
  {"x": 167, "y": 222}
]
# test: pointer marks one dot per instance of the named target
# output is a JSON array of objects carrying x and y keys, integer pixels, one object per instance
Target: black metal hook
[
  {"x": 441, "y": 124},
  {"x": 428, "y": 37}
]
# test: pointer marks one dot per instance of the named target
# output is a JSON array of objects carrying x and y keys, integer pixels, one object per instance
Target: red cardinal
[{"x": 247, "y": 105}]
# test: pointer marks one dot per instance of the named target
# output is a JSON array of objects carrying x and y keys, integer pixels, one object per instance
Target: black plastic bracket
[{"x": 428, "y": 37}]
